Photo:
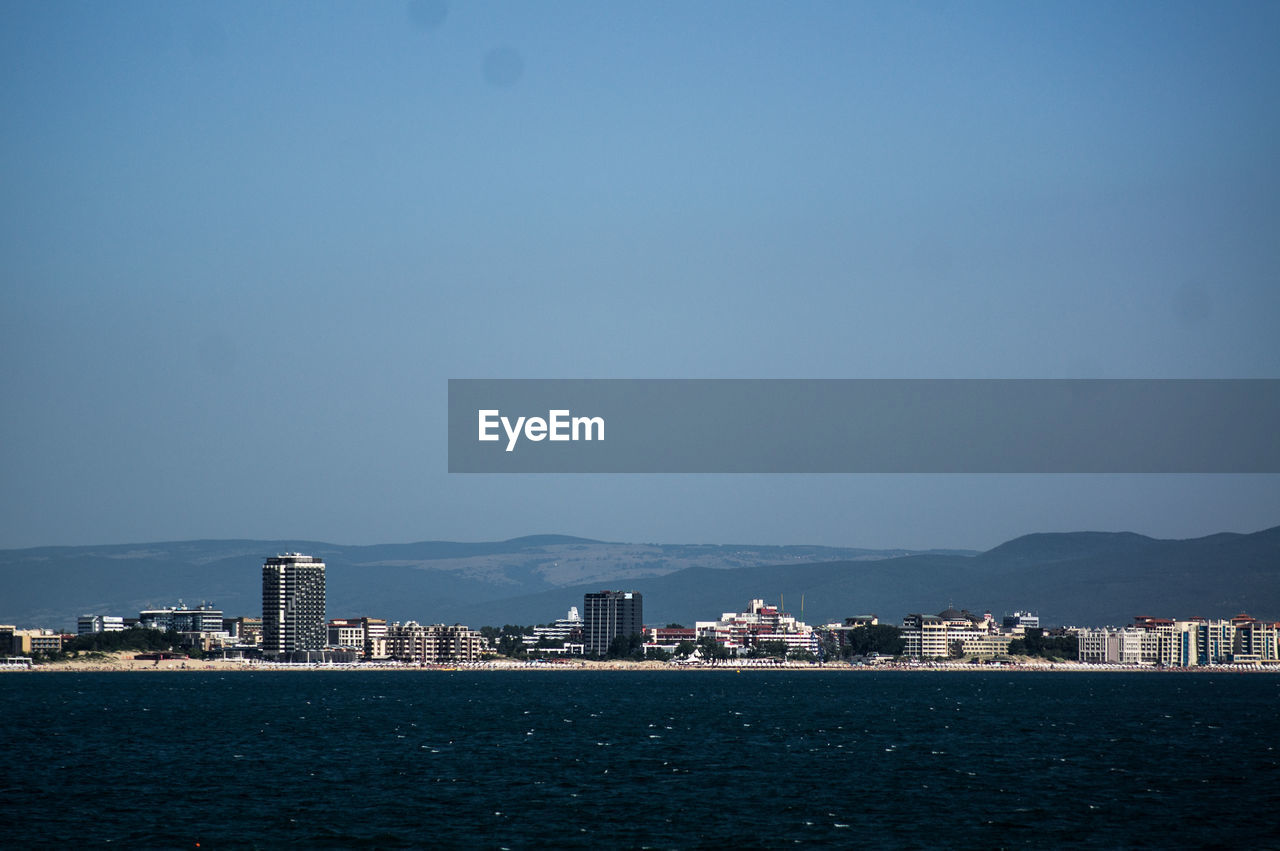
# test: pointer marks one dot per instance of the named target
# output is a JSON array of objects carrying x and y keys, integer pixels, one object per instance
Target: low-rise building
[
  {"x": 1019, "y": 622},
  {"x": 1098, "y": 645},
  {"x": 418, "y": 644},
  {"x": 89, "y": 624},
  {"x": 1255, "y": 641},
  {"x": 952, "y": 632},
  {"x": 668, "y": 638},
  {"x": 563, "y": 636},
  {"x": 247, "y": 632},
  {"x": 367, "y": 636},
  {"x": 25, "y": 642},
  {"x": 346, "y": 632},
  {"x": 204, "y": 618},
  {"x": 924, "y": 637},
  {"x": 741, "y": 631}
]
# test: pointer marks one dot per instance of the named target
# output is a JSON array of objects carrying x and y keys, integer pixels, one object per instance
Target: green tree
[
  {"x": 685, "y": 649},
  {"x": 712, "y": 650},
  {"x": 626, "y": 647},
  {"x": 1035, "y": 643},
  {"x": 880, "y": 638},
  {"x": 134, "y": 638},
  {"x": 507, "y": 640},
  {"x": 775, "y": 648}
]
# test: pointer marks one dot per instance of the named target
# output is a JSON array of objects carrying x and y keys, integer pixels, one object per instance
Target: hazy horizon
[{"x": 638, "y": 542}]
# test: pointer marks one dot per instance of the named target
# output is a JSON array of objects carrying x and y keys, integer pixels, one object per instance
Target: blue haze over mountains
[{"x": 1081, "y": 578}]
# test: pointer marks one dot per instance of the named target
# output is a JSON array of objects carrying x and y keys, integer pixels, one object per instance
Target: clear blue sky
[{"x": 244, "y": 246}]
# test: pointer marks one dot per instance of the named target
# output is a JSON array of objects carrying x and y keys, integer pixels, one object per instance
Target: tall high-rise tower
[
  {"x": 608, "y": 614},
  {"x": 292, "y": 604}
]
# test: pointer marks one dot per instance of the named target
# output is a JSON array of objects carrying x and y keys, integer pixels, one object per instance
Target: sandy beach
[{"x": 125, "y": 662}]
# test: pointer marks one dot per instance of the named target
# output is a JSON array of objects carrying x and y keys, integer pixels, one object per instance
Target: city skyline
[{"x": 613, "y": 628}]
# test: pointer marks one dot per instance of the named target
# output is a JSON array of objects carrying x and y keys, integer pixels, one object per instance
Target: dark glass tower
[
  {"x": 608, "y": 614},
  {"x": 292, "y": 605}
]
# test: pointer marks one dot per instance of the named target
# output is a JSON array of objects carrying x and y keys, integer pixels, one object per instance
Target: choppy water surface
[{"x": 639, "y": 759}]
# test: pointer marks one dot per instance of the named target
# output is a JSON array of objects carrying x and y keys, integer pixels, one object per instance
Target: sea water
[{"x": 662, "y": 759}]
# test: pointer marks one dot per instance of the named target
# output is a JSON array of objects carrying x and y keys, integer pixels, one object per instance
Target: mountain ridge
[{"x": 1070, "y": 577}]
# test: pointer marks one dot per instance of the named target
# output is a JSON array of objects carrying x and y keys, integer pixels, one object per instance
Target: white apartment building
[
  {"x": 1184, "y": 643},
  {"x": 89, "y": 624},
  {"x": 559, "y": 633},
  {"x": 740, "y": 631},
  {"x": 201, "y": 619},
  {"x": 1098, "y": 645},
  {"x": 934, "y": 636},
  {"x": 418, "y": 644},
  {"x": 346, "y": 632}
]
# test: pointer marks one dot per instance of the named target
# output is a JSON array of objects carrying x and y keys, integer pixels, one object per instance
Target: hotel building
[
  {"x": 937, "y": 636},
  {"x": 1184, "y": 643},
  {"x": 739, "y": 631},
  {"x": 292, "y": 605},
  {"x": 607, "y": 615},
  {"x": 412, "y": 642},
  {"x": 89, "y": 624}
]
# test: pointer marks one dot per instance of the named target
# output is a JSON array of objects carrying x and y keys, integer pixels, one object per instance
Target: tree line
[
  {"x": 1036, "y": 643},
  {"x": 137, "y": 638}
]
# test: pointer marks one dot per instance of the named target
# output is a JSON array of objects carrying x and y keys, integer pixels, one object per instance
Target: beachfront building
[
  {"x": 738, "y": 632},
  {"x": 1217, "y": 639},
  {"x": 201, "y": 626},
  {"x": 668, "y": 638},
  {"x": 606, "y": 615},
  {"x": 346, "y": 632},
  {"x": 924, "y": 637},
  {"x": 89, "y": 624},
  {"x": 1019, "y": 622},
  {"x": 1139, "y": 646},
  {"x": 1157, "y": 642},
  {"x": 367, "y": 636},
  {"x": 1098, "y": 645},
  {"x": 563, "y": 636},
  {"x": 1184, "y": 643},
  {"x": 292, "y": 605},
  {"x": 953, "y": 632},
  {"x": 406, "y": 642},
  {"x": 417, "y": 644},
  {"x": 1129, "y": 646},
  {"x": 204, "y": 618},
  {"x": 375, "y": 637},
  {"x": 24, "y": 642},
  {"x": 246, "y": 632},
  {"x": 851, "y": 623},
  {"x": 1255, "y": 641}
]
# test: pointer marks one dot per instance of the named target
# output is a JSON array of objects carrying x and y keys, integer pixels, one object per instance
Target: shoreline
[{"x": 125, "y": 663}]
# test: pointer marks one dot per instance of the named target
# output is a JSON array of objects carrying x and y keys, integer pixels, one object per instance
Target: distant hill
[
  {"x": 426, "y": 581},
  {"x": 1084, "y": 578},
  {"x": 1080, "y": 578}
]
